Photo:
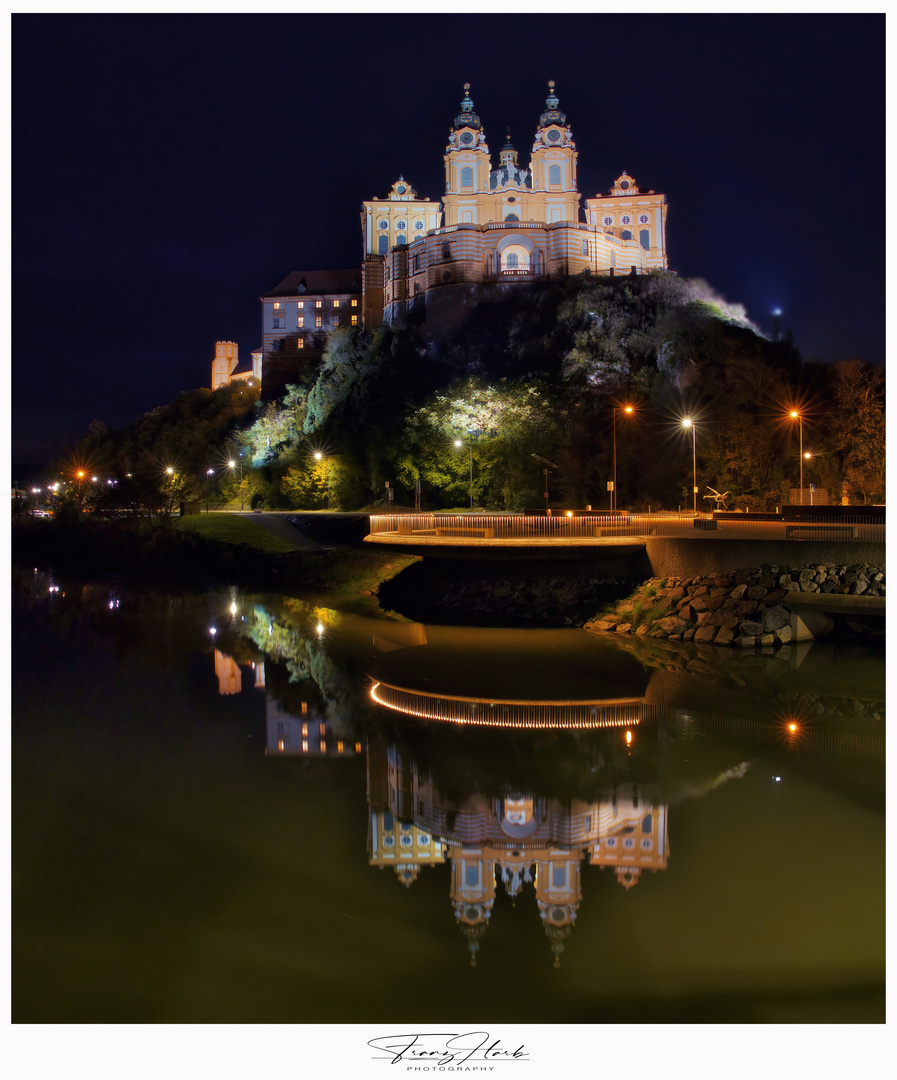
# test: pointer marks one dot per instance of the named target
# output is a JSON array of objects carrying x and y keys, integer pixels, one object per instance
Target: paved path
[{"x": 281, "y": 526}]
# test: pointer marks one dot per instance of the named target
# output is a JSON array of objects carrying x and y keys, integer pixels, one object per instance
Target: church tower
[
  {"x": 467, "y": 166},
  {"x": 553, "y": 164}
]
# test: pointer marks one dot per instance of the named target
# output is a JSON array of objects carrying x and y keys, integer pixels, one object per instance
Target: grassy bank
[{"x": 234, "y": 529}]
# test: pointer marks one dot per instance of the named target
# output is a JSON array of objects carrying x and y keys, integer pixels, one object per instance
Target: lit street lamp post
[
  {"x": 795, "y": 415},
  {"x": 459, "y": 443},
  {"x": 209, "y": 473},
  {"x": 320, "y": 457},
  {"x": 689, "y": 423},
  {"x": 238, "y": 465},
  {"x": 625, "y": 409}
]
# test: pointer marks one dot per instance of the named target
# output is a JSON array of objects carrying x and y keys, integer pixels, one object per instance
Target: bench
[
  {"x": 464, "y": 530},
  {"x": 828, "y": 527}
]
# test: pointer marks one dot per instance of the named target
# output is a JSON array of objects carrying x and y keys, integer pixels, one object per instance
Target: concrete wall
[{"x": 692, "y": 558}]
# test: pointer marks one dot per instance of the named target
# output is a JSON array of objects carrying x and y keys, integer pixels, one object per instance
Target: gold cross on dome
[{"x": 467, "y": 88}]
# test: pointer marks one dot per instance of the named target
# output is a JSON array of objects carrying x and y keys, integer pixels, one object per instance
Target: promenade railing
[{"x": 572, "y": 526}]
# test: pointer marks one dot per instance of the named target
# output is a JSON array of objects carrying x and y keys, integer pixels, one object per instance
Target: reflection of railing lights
[
  {"x": 549, "y": 714},
  {"x": 628, "y": 738}
]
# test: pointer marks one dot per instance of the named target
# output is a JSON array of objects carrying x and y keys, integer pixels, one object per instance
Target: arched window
[
  {"x": 585, "y": 247},
  {"x": 554, "y": 175},
  {"x": 643, "y": 237},
  {"x": 513, "y": 261},
  {"x": 401, "y": 239},
  {"x": 626, "y": 235},
  {"x": 446, "y": 250},
  {"x": 466, "y": 176},
  {"x": 382, "y": 244},
  {"x": 511, "y": 217}
]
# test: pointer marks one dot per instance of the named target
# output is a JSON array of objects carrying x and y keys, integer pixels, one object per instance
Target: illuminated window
[
  {"x": 354, "y": 303},
  {"x": 280, "y": 744},
  {"x": 322, "y": 729},
  {"x": 300, "y": 321},
  {"x": 358, "y": 748},
  {"x": 304, "y": 730},
  {"x": 317, "y": 320},
  {"x": 336, "y": 303},
  {"x": 304, "y": 708},
  {"x": 300, "y": 343},
  {"x": 277, "y": 307},
  {"x": 340, "y": 747},
  {"x": 319, "y": 303},
  {"x": 305, "y": 746},
  {"x": 323, "y": 745},
  {"x": 355, "y": 320}
]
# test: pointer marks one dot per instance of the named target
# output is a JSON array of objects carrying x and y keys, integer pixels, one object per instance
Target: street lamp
[
  {"x": 689, "y": 423},
  {"x": 209, "y": 472},
  {"x": 459, "y": 443},
  {"x": 616, "y": 409},
  {"x": 546, "y": 463},
  {"x": 319, "y": 456},
  {"x": 238, "y": 465},
  {"x": 795, "y": 415}
]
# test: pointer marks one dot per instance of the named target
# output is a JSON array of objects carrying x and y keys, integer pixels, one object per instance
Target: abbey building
[{"x": 497, "y": 224}]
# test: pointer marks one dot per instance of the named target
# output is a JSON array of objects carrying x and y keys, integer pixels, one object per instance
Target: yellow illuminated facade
[
  {"x": 511, "y": 223},
  {"x": 497, "y": 224},
  {"x": 226, "y": 366}
]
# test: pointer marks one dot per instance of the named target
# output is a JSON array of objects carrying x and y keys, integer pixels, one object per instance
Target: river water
[{"x": 233, "y": 808}]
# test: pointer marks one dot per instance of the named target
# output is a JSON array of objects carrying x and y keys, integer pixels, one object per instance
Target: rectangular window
[
  {"x": 305, "y": 708},
  {"x": 355, "y": 320},
  {"x": 304, "y": 730},
  {"x": 278, "y": 324},
  {"x": 319, "y": 303},
  {"x": 323, "y": 745},
  {"x": 472, "y": 875},
  {"x": 354, "y": 303},
  {"x": 336, "y": 321},
  {"x": 322, "y": 729},
  {"x": 317, "y": 320},
  {"x": 336, "y": 303},
  {"x": 277, "y": 307},
  {"x": 560, "y": 877},
  {"x": 300, "y": 343},
  {"x": 300, "y": 321},
  {"x": 305, "y": 746}
]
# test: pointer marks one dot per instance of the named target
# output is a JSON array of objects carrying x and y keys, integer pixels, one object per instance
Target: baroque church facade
[{"x": 495, "y": 227}]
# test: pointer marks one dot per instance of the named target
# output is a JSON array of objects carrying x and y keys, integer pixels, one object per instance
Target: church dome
[
  {"x": 552, "y": 114},
  {"x": 467, "y": 117}
]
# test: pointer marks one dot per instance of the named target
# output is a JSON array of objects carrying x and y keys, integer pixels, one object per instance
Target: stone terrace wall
[{"x": 745, "y": 608}]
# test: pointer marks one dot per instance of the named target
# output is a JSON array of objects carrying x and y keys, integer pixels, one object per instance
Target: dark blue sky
[{"x": 168, "y": 170}]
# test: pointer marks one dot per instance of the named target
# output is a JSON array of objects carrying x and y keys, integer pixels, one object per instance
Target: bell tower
[
  {"x": 553, "y": 163},
  {"x": 467, "y": 165}
]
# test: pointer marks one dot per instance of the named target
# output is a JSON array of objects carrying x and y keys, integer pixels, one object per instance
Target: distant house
[{"x": 298, "y": 316}]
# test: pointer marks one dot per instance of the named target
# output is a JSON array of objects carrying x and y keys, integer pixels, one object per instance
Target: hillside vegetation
[{"x": 539, "y": 373}]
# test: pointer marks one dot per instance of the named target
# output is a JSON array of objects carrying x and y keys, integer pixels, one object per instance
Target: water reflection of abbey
[{"x": 532, "y": 845}]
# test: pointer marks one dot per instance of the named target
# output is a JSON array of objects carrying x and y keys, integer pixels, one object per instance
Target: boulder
[{"x": 775, "y": 617}]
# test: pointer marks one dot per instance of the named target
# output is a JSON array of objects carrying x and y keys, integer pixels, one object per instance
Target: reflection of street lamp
[
  {"x": 238, "y": 465},
  {"x": 625, "y": 409},
  {"x": 795, "y": 415},
  {"x": 689, "y": 423},
  {"x": 459, "y": 443}
]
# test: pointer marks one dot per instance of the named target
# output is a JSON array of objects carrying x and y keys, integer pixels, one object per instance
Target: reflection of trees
[{"x": 289, "y": 636}]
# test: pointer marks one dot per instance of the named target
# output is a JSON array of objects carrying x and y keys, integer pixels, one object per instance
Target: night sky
[{"x": 167, "y": 170}]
